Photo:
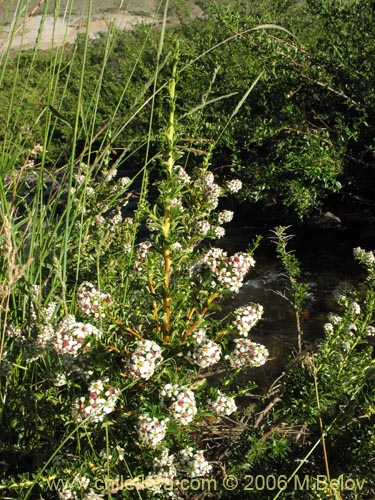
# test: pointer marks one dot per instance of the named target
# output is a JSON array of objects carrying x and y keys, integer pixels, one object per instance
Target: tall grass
[{"x": 39, "y": 209}]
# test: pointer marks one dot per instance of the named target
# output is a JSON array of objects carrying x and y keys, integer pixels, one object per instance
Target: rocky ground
[{"x": 33, "y": 27}]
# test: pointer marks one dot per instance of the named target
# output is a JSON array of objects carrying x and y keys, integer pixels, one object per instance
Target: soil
[{"x": 47, "y": 29}]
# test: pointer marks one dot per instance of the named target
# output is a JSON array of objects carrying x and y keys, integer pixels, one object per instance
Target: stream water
[{"x": 326, "y": 261}]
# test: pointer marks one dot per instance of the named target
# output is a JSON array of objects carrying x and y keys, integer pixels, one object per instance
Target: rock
[{"x": 327, "y": 220}]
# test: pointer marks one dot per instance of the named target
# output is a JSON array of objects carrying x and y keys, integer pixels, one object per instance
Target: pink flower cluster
[
  {"x": 71, "y": 336},
  {"x": 246, "y": 317},
  {"x": 227, "y": 271},
  {"x": 143, "y": 359},
  {"x": 183, "y": 408},
  {"x": 223, "y": 405},
  {"x": 91, "y": 301},
  {"x": 247, "y": 353},
  {"x": 151, "y": 430},
  {"x": 100, "y": 402}
]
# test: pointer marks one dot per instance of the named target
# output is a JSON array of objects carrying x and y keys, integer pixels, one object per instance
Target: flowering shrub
[{"x": 127, "y": 392}]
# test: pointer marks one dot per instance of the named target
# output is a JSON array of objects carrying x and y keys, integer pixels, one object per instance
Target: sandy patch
[{"x": 52, "y": 32}]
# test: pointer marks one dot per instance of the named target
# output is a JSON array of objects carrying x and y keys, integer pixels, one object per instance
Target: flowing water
[{"x": 326, "y": 262}]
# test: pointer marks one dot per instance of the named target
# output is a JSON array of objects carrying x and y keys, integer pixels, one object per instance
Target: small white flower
[
  {"x": 183, "y": 408},
  {"x": 91, "y": 301},
  {"x": 223, "y": 405},
  {"x": 370, "y": 331},
  {"x": 355, "y": 308},
  {"x": 100, "y": 402}
]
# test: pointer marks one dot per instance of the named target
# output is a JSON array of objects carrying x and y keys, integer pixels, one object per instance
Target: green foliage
[
  {"x": 301, "y": 134},
  {"x": 324, "y": 412}
]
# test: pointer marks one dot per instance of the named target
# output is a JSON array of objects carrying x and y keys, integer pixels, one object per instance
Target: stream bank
[{"x": 326, "y": 258}]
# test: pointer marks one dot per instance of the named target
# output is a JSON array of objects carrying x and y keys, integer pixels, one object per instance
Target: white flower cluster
[
  {"x": 101, "y": 401},
  {"x": 67, "y": 495},
  {"x": 141, "y": 255},
  {"x": 225, "y": 216},
  {"x": 164, "y": 466},
  {"x": 223, "y": 405},
  {"x": 59, "y": 379},
  {"x": 110, "y": 175},
  {"x": 182, "y": 175},
  {"x": 186, "y": 461},
  {"x": 234, "y": 185},
  {"x": 91, "y": 301},
  {"x": 208, "y": 178},
  {"x": 72, "y": 495},
  {"x": 219, "y": 232},
  {"x": 209, "y": 189},
  {"x": 354, "y": 308},
  {"x": 143, "y": 359},
  {"x": 70, "y": 336},
  {"x": 176, "y": 246},
  {"x": 205, "y": 354},
  {"x": 247, "y": 317},
  {"x": 367, "y": 258},
  {"x": 41, "y": 314},
  {"x": 202, "y": 227},
  {"x": 151, "y": 430},
  {"x": 247, "y": 353},
  {"x": 199, "y": 335},
  {"x": 125, "y": 181},
  {"x": 116, "y": 219},
  {"x": 328, "y": 328},
  {"x": 212, "y": 194},
  {"x": 183, "y": 408},
  {"x": 227, "y": 271},
  {"x": 194, "y": 464},
  {"x": 334, "y": 318},
  {"x": 177, "y": 204}
]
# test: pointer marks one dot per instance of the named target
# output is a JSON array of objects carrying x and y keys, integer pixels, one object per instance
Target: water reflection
[{"x": 326, "y": 262}]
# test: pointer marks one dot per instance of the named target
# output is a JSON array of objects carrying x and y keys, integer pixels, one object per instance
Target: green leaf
[{"x": 58, "y": 115}]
